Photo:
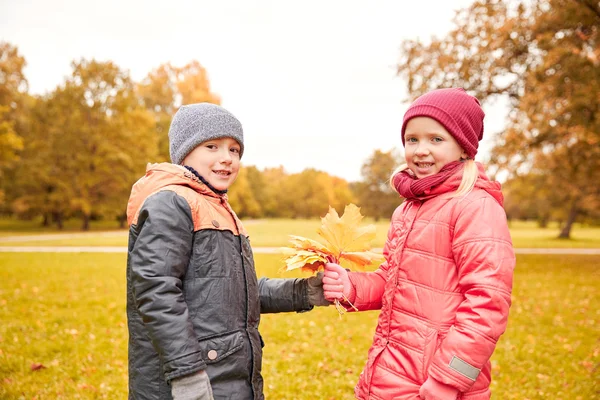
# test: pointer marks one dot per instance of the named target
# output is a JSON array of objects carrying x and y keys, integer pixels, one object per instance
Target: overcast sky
[{"x": 313, "y": 82}]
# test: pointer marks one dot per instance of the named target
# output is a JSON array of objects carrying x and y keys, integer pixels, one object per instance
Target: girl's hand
[
  {"x": 336, "y": 284},
  {"x": 434, "y": 390}
]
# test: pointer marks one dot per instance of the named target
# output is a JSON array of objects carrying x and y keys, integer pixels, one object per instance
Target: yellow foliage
[{"x": 345, "y": 241}]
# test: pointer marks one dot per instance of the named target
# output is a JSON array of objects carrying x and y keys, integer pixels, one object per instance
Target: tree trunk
[
  {"x": 46, "y": 221},
  {"x": 86, "y": 223},
  {"x": 59, "y": 220},
  {"x": 565, "y": 233},
  {"x": 122, "y": 221}
]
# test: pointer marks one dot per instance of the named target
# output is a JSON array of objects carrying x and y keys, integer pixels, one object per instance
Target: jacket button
[
  {"x": 215, "y": 223},
  {"x": 212, "y": 354}
]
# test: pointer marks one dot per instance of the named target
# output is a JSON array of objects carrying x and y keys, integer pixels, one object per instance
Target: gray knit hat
[{"x": 197, "y": 123}]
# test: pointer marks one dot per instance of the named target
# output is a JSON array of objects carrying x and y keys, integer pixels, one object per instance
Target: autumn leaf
[
  {"x": 37, "y": 367},
  {"x": 344, "y": 234},
  {"x": 345, "y": 240},
  {"x": 360, "y": 259},
  {"x": 304, "y": 259},
  {"x": 308, "y": 244}
]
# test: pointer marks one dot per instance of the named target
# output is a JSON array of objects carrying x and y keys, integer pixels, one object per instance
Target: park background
[{"x": 69, "y": 154}]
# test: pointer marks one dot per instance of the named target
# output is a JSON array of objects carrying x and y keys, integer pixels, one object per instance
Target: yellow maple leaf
[
  {"x": 344, "y": 234},
  {"x": 361, "y": 259},
  {"x": 345, "y": 240},
  {"x": 304, "y": 243}
]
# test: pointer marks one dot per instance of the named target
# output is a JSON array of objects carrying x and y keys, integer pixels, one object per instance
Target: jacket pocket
[{"x": 216, "y": 348}]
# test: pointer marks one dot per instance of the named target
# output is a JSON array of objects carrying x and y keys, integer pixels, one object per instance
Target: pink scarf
[{"x": 410, "y": 187}]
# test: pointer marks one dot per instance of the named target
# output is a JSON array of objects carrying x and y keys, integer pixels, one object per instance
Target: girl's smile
[{"x": 423, "y": 168}]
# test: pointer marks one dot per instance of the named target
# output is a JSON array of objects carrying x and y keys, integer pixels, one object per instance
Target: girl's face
[
  {"x": 217, "y": 160},
  {"x": 429, "y": 146}
]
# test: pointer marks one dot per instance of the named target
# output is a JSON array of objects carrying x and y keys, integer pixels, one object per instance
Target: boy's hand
[
  {"x": 315, "y": 291},
  {"x": 336, "y": 284},
  {"x": 192, "y": 387}
]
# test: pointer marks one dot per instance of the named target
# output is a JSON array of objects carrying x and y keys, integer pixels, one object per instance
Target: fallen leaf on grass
[{"x": 37, "y": 367}]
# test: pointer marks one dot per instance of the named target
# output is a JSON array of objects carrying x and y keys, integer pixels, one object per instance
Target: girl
[{"x": 444, "y": 289}]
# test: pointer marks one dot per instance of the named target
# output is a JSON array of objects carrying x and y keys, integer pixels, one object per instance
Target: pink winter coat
[{"x": 444, "y": 293}]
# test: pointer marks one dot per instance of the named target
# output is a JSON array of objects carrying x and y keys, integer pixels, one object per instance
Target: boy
[{"x": 193, "y": 298}]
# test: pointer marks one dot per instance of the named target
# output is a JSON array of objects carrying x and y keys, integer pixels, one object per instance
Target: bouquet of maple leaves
[{"x": 345, "y": 242}]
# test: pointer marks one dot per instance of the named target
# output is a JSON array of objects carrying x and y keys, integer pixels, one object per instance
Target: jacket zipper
[{"x": 247, "y": 298}]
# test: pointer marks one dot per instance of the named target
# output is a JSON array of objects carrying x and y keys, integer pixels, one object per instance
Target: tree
[
  {"x": 166, "y": 88},
  {"x": 375, "y": 196},
  {"x": 310, "y": 193},
  {"x": 10, "y": 141},
  {"x": 89, "y": 141},
  {"x": 241, "y": 197},
  {"x": 13, "y": 96},
  {"x": 263, "y": 191},
  {"x": 12, "y": 78},
  {"x": 544, "y": 56},
  {"x": 522, "y": 198},
  {"x": 340, "y": 194},
  {"x": 47, "y": 194},
  {"x": 273, "y": 198}
]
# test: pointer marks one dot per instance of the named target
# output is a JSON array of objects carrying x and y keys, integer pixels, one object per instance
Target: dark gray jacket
[{"x": 193, "y": 299}]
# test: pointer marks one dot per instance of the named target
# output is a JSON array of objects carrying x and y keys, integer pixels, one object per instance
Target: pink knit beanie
[{"x": 459, "y": 112}]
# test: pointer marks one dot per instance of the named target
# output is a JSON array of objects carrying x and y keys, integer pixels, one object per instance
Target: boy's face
[
  {"x": 429, "y": 146},
  {"x": 217, "y": 160}
]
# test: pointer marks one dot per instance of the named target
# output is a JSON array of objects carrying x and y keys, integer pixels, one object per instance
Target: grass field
[
  {"x": 275, "y": 232},
  {"x": 15, "y": 226},
  {"x": 66, "y": 312}
]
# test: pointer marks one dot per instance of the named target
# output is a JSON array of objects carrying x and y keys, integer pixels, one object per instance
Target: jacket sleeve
[
  {"x": 485, "y": 262},
  {"x": 283, "y": 295},
  {"x": 369, "y": 286},
  {"x": 159, "y": 260}
]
